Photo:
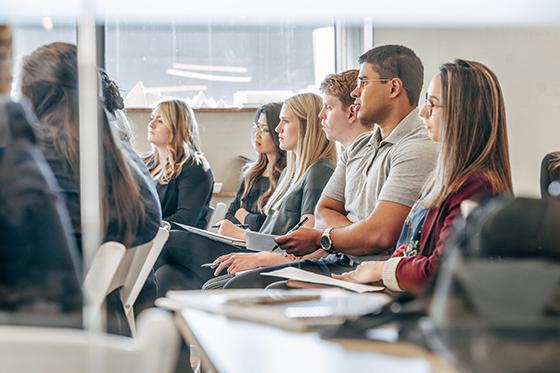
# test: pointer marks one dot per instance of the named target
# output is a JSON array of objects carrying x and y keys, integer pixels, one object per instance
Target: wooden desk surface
[{"x": 230, "y": 346}]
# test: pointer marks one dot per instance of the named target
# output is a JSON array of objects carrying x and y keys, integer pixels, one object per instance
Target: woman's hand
[
  {"x": 241, "y": 214},
  {"x": 227, "y": 228},
  {"x": 237, "y": 262},
  {"x": 365, "y": 273}
]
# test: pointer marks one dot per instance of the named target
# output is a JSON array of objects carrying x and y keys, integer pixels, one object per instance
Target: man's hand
[
  {"x": 301, "y": 241},
  {"x": 365, "y": 273}
]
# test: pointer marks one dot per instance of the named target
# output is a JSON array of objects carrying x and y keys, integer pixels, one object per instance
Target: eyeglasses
[
  {"x": 262, "y": 128},
  {"x": 361, "y": 83},
  {"x": 430, "y": 106}
]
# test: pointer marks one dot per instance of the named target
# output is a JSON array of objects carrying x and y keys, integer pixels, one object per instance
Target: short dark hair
[{"x": 397, "y": 61}]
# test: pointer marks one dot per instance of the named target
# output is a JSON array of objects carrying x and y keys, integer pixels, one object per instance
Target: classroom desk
[{"x": 230, "y": 346}]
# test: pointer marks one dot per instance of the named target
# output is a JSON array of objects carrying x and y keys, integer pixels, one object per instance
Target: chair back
[
  {"x": 135, "y": 269},
  {"x": 219, "y": 214},
  {"x": 50, "y": 350},
  {"x": 101, "y": 274}
]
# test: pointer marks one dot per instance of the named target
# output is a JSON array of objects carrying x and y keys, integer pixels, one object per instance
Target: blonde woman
[
  {"x": 310, "y": 163},
  {"x": 184, "y": 178}
]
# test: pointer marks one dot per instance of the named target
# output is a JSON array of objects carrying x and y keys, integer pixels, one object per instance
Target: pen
[
  {"x": 242, "y": 226},
  {"x": 207, "y": 265},
  {"x": 296, "y": 227}
]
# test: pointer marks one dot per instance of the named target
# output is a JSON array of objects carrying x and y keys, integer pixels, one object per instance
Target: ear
[
  {"x": 396, "y": 87},
  {"x": 352, "y": 112}
]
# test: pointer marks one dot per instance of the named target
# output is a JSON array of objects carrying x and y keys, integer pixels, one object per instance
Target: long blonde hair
[
  {"x": 312, "y": 145},
  {"x": 184, "y": 143},
  {"x": 474, "y": 132}
]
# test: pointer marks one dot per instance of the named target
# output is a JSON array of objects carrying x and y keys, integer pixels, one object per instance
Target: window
[
  {"x": 219, "y": 60},
  {"x": 27, "y": 38}
]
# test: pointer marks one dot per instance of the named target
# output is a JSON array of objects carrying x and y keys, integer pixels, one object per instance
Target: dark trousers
[
  {"x": 179, "y": 264},
  {"x": 324, "y": 266}
]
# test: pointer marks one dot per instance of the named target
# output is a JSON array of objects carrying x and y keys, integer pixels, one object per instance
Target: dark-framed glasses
[
  {"x": 361, "y": 82},
  {"x": 262, "y": 128},
  {"x": 429, "y": 104}
]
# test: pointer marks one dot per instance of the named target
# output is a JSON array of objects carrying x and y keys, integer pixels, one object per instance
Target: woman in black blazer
[{"x": 184, "y": 178}]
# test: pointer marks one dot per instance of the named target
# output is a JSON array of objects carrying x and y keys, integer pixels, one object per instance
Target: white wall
[{"x": 526, "y": 62}]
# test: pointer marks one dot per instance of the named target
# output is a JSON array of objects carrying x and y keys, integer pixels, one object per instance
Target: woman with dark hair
[
  {"x": 464, "y": 111},
  {"x": 50, "y": 82},
  {"x": 550, "y": 172},
  {"x": 259, "y": 179},
  {"x": 183, "y": 175}
]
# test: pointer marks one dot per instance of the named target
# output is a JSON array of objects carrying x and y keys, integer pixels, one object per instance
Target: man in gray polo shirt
[{"x": 361, "y": 212}]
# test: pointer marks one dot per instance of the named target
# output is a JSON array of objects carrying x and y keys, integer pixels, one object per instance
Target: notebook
[{"x": 212, "y": 235}]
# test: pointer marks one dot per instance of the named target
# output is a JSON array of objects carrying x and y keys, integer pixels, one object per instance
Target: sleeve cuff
[{"x": 390, "y": 274}]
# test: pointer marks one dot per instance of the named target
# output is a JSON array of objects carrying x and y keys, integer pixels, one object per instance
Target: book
[{"x": 292, "y": 273}]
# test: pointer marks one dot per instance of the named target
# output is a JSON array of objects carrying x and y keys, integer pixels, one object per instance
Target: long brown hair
[
  {"x": 184, "y": 144},
  {"x": 474, "y": 133},
  {"x": 272, "y": 113},
  {"x": 312, "y": 145},
  {"x": 50, "y": 81}
]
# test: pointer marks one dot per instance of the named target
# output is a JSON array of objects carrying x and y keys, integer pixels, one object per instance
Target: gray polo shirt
[{"x": 393, "y": 169}]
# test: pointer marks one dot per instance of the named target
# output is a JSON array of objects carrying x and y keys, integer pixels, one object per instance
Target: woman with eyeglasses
[
  {"x": 310, "y": 164},
  {"x": 182, "y": 173},
  {"x": 259, "y": 179},
  {"x": 464, "y": 111}
]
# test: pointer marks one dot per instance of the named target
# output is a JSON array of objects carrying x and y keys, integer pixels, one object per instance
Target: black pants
[
  {"x": 324, "y": 266},
  {"x": 179, "y": 264}
]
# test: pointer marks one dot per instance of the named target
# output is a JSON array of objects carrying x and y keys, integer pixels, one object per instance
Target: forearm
[
  {"x": 326, "y": 218},
  {"x": 362, "y": 239}
]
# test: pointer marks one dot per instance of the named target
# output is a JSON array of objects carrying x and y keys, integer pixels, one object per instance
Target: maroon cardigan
[{"x": 415, "y": 272}]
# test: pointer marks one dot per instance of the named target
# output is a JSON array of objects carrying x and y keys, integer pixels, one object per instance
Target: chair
[
  {"x": 116, "y": 267},
  {"x": 217, "y": 215},
  {"x": 101, "y": 273},
  {"x": 135, "y": 269},
  {"x": 49, "y": 350}
]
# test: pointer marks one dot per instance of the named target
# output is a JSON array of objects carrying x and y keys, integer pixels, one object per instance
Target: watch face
[{"x": 325, "y": 242}]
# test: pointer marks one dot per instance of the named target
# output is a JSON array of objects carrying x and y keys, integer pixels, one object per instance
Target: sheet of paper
[
  {"x": 259, "y": 241},
  {"x": 292, "y": 273}
]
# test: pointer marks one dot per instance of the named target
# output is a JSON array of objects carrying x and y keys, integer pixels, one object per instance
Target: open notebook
[
  {"x": 212, "y": 235},
  {"x": 297, "y": 274}
]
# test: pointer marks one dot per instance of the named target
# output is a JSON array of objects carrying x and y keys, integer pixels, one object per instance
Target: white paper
[
  {"x": 297, "y": 274},
  {"x": 259, "y": 241}
]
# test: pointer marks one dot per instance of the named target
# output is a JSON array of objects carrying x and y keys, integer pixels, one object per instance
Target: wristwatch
[{"x": 326, "y": 242}]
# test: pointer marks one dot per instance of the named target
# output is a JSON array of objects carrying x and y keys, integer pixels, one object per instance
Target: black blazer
[{"x": 185, "y": 199}]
